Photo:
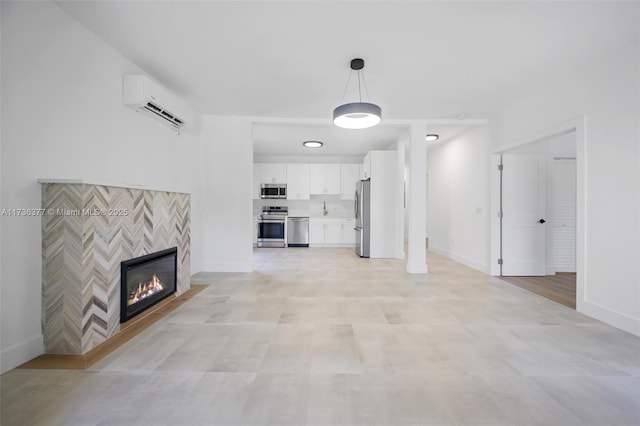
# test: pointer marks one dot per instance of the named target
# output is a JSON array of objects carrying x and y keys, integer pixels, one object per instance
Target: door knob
[{"x": 542, "y": 221}]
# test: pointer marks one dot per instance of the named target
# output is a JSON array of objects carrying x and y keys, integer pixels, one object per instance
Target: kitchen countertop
[
  {"x": 313, "y": 216},
  {"x": 317, "y": 215},
  {"x": 331, "y": 218}
]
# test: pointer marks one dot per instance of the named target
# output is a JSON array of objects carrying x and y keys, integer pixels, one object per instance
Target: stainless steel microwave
[{"x": 273, "y": 190}]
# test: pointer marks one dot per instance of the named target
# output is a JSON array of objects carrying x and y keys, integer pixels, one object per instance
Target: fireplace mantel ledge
[{"x": 114, "y": 184}]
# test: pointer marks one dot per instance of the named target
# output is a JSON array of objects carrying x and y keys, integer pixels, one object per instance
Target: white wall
[
  {"x": 40, "y": 343},
  {"x": 459, "y": 198},
  {"x": 227, "y": 179},
  {"x": 606, "y": 93},
  {"x": 62, "y": 117}
]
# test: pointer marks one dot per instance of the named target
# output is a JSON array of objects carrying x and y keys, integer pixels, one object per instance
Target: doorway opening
[{"x": 538, "y": 216}]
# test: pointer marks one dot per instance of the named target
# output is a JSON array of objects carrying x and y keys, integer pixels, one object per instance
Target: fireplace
[{"x": 146, "y": 281}]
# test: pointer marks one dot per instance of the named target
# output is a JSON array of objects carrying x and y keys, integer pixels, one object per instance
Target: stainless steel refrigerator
[{"x": 362, "y": 210}]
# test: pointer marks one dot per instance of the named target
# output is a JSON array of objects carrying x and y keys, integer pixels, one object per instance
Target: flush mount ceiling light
[
  {"x": 312, "y": 144},
  {"x": 357, "y": 115},
  {"x": 432, "y": 137}
]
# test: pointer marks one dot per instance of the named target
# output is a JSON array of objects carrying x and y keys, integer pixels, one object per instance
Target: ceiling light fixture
[
  {"x": 312, "y": 144},
  {"x": 432, "y": 137},
  {"x": 357, "y": 115}
]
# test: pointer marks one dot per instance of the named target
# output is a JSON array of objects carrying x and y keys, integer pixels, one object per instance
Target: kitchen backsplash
[{"x": 312, "y": 207}]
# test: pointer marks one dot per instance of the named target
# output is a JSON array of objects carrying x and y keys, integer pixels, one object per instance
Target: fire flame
[{"x": 145, "y": 290}]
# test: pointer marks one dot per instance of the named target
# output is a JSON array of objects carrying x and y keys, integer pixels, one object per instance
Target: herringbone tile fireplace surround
[{"x": 87, "y": 230}]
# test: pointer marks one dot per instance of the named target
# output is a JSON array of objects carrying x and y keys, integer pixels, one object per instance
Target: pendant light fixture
[{"x": 357, "y": 115}]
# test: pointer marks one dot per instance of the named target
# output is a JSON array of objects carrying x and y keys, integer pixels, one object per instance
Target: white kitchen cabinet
[
  {"x": 273, "y": 173},
  {"x": 348, "y": 233},
  {"x": 378, "y": 162},
  {"x": 349, "y": 175},
  {"x": 316, "y": 179},
  {"x": 324, "y": 179},
  {"x": 332, "y": 178},
  {"x": 366, "y": 166},
  {"x": 316, "y": 232},
  {"x": 303, "y": 180},
  {"x": 331, "y": 232},
  {"x": 280, "y": 173},
  {"x": 298, "y": 181}
]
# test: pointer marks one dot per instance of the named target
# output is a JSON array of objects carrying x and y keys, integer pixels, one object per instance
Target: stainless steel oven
[{"x": 272, "y": 227}]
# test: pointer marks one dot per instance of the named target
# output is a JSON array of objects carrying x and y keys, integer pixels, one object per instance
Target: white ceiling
[
  {"x": 286, "y": 139},
  {"x": 424, "y": 59},
  {"x": 278, "y": 139}
]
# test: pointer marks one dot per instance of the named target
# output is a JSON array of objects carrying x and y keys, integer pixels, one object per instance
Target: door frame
[{"x": 579, "y": 126}]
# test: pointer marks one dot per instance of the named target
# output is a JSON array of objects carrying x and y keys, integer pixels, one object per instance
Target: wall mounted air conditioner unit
[{"x": 144, "y": 95}]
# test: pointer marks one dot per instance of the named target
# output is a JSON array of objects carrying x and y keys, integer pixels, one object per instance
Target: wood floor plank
[{"x": 560, "y": 288}]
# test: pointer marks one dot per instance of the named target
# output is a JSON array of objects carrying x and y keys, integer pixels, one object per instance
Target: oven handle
[{"x": 271, "y": 221}]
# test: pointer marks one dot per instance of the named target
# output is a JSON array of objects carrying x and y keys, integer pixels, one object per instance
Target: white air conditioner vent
[
  {"x": 164, "y": 114},
  {"x": 144, "y": 95}
]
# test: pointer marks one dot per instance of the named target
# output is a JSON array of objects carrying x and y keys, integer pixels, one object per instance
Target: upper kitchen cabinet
[
  {"x": 349, "y": 175},
  {"x": 366, "y": 166},
  {"x": 324, "y": 179},
  {"x": 376, "y": 162},
  {"x": 298, "y": 181},
  {"x": 273, "y": 173}
]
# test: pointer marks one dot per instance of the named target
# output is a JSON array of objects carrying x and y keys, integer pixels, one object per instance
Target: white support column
[
  {"x": 416, "y": 200},
  {"x": 400, "y": 200}
]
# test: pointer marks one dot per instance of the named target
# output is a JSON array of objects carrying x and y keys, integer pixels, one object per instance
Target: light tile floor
[{"x": 321, "y": 337}]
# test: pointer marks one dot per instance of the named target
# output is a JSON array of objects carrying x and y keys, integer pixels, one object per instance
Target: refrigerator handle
[{"x": 355, "y": 204}]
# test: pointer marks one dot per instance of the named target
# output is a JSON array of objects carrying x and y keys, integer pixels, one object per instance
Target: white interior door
[{"x": 523, "y": 215}]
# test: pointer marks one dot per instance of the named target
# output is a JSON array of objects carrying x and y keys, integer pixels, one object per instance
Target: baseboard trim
[
  {"x": 15, "y": 355},
  {"x": 472, "y": 263},
  {"x": 227, "y": 267},
  {"x": 352, "y": 246},
  {"x": 612, "y": 318},
  {"x": 553, "y": 270},
  {"x": 195, "y": 268}
]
